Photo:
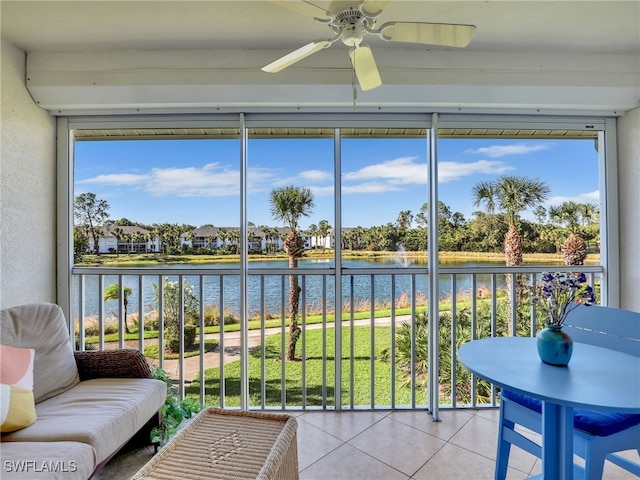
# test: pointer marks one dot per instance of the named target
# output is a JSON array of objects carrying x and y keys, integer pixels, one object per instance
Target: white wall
[
  {"x": 27, "y": 189},
  {"x": 629, "y": 212}
]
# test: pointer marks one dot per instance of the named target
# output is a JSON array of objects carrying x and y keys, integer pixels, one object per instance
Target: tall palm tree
[
  {"x": 288, "y": 204},
  {"x": 510, "y": 195}
]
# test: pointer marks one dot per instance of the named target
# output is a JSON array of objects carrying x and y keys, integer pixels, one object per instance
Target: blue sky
[{"x": 197, "y": 181}]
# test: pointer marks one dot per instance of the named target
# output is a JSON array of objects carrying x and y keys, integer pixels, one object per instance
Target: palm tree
[
  {"x": 511, "y": 195},
  {"x": 117, "y": 232},
  {"x": 234, "y": 239},
  {"x": 138, "y": 238},
  {"x": 266, "y": 234},
  {"x": 223, "y": 236},
  {"x": 112, "y": 292},
  {"x": 313, "y": 233},
  {"x": 572, "y": 215},
  {"x": 288, "y": 204},
  {"x": 323, "y": 230}
]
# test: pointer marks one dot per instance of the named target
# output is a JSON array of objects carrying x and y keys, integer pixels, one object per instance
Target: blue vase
[{"x": 554, "y": 346}]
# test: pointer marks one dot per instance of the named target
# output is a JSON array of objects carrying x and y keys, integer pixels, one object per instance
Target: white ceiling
[
  {"x": 591, "y": 45},
  {"x": 509, "y": 26}
]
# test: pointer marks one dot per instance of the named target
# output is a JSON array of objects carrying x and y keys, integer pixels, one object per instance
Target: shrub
[
  {"x": 171, "y": 310},
  {"x": 172, "y": 338}
]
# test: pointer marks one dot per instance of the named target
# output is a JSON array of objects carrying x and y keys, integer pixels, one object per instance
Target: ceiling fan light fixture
[{"x": 352, "y": 35}]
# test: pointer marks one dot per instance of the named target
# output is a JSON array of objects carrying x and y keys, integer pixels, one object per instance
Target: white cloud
[
  {"x": 211, "y": 180},
  {"x": 451, "y": 171},
  {"x": 326, "y": 191},
  {"x": 587, "y": 197},
  {"x": 495, "y": 151},
  {"x": 401, "y": 170},
  {"x": 305, "y": 177},
  {"x": 315, "y": 175},
  {"x": 260, "y": 179},
  {"x": 128, "y": 179},
  {"x": 392, "y": 174},
  {"x": 369, "y": 187}
]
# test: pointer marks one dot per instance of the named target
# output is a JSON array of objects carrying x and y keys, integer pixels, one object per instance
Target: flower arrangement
[{"x": 560, "y": 293}]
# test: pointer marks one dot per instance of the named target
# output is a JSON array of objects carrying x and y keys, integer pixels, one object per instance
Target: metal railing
[{"x": 377, "y": 359}]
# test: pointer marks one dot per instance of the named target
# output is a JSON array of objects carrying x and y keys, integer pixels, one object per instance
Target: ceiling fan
[{"x": 351, "y": 21}]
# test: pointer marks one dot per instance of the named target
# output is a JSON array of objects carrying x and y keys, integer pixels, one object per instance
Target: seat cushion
[
  {"x": 104, "y": 413},
  {"x": 600, "y": 424},
  {"x": 47, "y": 461},
  {"x": 43, "y": 327}
]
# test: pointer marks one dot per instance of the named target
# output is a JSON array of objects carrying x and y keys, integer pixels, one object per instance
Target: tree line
[{"x": 570, "y": 228}]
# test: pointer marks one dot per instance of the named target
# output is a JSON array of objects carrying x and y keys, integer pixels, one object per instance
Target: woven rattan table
[{"x": 229, "y": 444}]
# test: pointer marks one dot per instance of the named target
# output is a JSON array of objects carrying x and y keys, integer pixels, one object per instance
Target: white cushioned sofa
[{"x": 88, "y": 404}]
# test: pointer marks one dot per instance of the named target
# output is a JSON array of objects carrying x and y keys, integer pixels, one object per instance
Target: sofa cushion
[
  {"x": 42, "y": 326},
  {"x": 104, "y": 413},
  {"x": 47, "y": 461},
  {"x": 17, "y": 406}
]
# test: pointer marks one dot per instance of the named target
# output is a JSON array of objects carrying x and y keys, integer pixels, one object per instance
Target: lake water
[{"x": 276, "y": 290}]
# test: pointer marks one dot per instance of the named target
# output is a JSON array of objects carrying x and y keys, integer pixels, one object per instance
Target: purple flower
[{"x": 560, "y": 293}]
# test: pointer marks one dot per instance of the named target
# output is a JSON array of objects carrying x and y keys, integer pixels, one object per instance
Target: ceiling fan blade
[
  {"x": 447, "y": 34},
  {"x": 337, "y": 6},
  {"x": 303, "y": 7},
  {"x": 296, "y": 56},
  {"x": 375, "y": 7},
  {"x": 365, "y": 67}
]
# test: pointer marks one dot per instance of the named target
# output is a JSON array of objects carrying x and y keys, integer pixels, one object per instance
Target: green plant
[
  {"x": 175, "y": 295},
  {"x": 174, "y": 410},
  {"x": 87, "y": 345}
]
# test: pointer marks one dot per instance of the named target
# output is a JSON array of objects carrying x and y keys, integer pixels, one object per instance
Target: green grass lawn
[{"x": 311, "y": 369}]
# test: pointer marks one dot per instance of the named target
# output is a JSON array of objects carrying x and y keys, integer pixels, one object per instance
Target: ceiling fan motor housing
[{"x": 351, "y": 24}]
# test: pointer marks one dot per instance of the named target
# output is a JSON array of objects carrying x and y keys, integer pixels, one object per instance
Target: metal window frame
[{"x": 432, "y": 122}]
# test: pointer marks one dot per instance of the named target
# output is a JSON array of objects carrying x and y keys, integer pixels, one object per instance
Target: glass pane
[
  {"x": 285, "y": 166},
  {"x": 546, "y": 189},
  {"x": 290, "y": 206},
  {"x": 143, "y": 200},
  {"x": 384, "y": 195},
  {"x": 384, "y": 224},
  {"x": 166, "y": 198}
]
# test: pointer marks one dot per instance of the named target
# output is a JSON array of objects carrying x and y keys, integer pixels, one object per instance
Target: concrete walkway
[{"x": 232, "y": 346}]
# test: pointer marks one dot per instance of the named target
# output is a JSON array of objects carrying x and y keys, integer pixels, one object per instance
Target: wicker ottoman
[{"x": 229, "y": 444}]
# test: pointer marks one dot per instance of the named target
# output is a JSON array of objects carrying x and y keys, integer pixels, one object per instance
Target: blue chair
[{"x": 597, "y": 435}]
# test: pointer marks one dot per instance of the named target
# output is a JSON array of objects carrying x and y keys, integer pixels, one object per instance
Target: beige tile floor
[{"x": 372, "y": 445}]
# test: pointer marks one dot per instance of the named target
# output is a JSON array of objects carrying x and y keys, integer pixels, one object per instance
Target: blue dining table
[{"x": 596, "y": 379}]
